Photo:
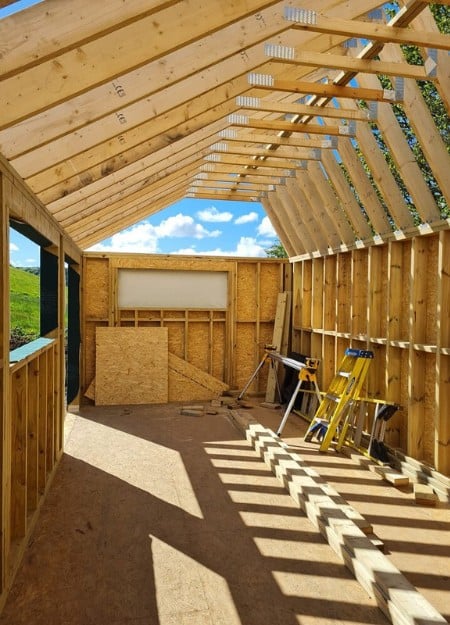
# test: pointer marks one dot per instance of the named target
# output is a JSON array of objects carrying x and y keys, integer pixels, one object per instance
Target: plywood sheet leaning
[
  {"x": 278, "y": 332},
  {"x": 131, "y": 366},
  {"x": 189, "y": 383}
]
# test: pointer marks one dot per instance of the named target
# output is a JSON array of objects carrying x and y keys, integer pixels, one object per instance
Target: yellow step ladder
[{"x": 337, "y": 404}]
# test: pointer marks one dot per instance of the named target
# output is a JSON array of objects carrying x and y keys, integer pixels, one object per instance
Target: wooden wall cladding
[
  {"x": 393, "y": 299},
  {"x": 226, "y": 344}
]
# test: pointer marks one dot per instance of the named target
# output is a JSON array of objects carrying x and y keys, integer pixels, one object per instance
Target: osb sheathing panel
[
  {"x": 247, "y": 292},
  {"x": 176, "y": 338},
  {"x": 131, "y": 366},
  {"x": 96, "y": 288},
  {"x": 189, "y": 383},
  {"x": 198, "y": 344},
  {"x": 246, "y": 355},
  {"x": 218, "y": 351},
  {"x": 269, "y": 285}
]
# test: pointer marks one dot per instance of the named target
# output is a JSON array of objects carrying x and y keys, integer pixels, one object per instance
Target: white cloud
[
  {"x": 213, "y": 215},
  {"x": 32, "y": 262},
  {"x": 141, "y": 238},
  {"x": 184, "y": 226},
  {"x": 246, "y": 246},
  {"x": 13, "y": 247},
  {"x": 245, "y": 219},
  {"x": 144, "y": 237},
  {"x": 265, "y": 229}
]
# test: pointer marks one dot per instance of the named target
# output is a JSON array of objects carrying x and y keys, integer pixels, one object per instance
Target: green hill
[{"x": 24, "y": 290}]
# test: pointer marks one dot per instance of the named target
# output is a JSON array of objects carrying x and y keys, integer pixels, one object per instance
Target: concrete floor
[{"x": 160, "y": 519}]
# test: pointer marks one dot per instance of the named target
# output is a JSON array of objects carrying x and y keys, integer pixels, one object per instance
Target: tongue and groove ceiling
[{"x": 113, "y": 111}]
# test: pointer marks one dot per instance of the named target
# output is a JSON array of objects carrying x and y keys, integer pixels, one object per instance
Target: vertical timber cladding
[
  {"x": 394, "y": 300},
  {"x": 226, "y": 343},
  {"x": 5, "y": 455}
]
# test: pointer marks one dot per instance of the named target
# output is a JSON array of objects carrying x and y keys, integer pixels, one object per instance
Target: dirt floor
[{"x": 161, "y": 519}]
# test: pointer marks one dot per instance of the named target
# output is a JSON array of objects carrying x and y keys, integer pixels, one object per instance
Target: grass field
[{"x": 24, "y": 292}]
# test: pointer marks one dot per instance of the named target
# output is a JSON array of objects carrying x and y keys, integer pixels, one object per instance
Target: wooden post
[
  {"x": 442, "y": 438},
  {"x": 5, "y": 415}
]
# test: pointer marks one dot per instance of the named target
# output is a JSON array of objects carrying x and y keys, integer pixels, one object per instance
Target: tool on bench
[{"x": 306, "y": 373}]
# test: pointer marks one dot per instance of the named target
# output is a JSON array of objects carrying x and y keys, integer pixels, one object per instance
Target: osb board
[
  {"x": 246, "y": 354},
  {"x": 218, "y": 350},
  {"x": 176, "y": 337},
  {"x": 89, "y": 351},
  {"x": 247, "y": 292},
  {"x": 270, "y": 286},
  {"x": 189, "y": 383},
  {"x": 96, "y": 288},
  {"x": 131, "y": 366},
  {"x": 198, "y": 344}
]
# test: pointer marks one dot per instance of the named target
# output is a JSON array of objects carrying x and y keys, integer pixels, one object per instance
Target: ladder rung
[
  {"x": 333, "y": 397},
  {"x": 344, "y": 374}
]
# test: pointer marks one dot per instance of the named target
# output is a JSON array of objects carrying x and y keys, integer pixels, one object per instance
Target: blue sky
[{"x": 200, "y": 227}]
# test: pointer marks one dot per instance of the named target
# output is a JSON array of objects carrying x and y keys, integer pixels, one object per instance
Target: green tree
[{"x": 276, "y": 250}]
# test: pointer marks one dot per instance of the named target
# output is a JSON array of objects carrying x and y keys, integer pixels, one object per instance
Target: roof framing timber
[{"x": 111, "y": 113}]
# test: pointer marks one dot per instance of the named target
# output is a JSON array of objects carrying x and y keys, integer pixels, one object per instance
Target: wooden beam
[
  {"x": 375, "y": 32},
  {"x": 5, "y": 399},
  {"x": 234, "y": 196},
  {"x": 275, "y": 140},
  {"x": 242, "y": 170},
  {"x": 353, "y": 64},
  {"x": 62, "y": 28},
  {"x": 281, "y": 153},
  {"x": 243, "y": 121},
  {"x": 252, "y": 103},
  {"x": 276, "y": 162},
  {"x": 284, "y": 233},
  {"x": 112, "y": 226},
  {"x": 269, "y": 83},
  {"x": 139, "y": 42},
  {"x": 405, "y": 161}
]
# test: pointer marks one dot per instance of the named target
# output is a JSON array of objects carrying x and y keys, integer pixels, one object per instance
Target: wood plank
[
  {"x": 131, "y": 366},
  {"x": 375, "y": 32},
  {"x": 5, "y": 396},
  {"x": 139, "y": 42},
  {"x": 189, "y": 383},
  {"x": 343, "y": 62},
  {"x": 269, "y": 83},
  {"x": 33, "y": 435},
  {"x": 283, "y": 232},
  {"x": 19, "y": 409},
  {"x": 424, "y": 495},
  {"x": 42, "y": 425},
  {"x": 63, "y": 27},
  {"x": 277, "y": 338}
]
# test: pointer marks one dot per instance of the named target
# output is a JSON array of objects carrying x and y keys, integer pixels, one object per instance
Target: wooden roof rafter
[{"x": 102, "y": 148}]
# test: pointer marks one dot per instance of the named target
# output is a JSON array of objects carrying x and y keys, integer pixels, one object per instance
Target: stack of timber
[
  {"x": 421, "y": 473},
  {"x": 399, "y": 600}
]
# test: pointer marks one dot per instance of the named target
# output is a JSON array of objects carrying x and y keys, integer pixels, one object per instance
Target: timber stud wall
[
  {"x": 228, "y": 344},
  {"x": 393, "y": 299},
  {"x": 31, "y": 386}
]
